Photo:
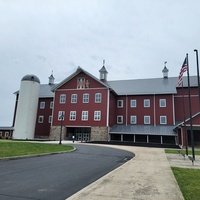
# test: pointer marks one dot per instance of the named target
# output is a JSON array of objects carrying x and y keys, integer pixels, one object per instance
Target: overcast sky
[{"x": 135, "y": 37}]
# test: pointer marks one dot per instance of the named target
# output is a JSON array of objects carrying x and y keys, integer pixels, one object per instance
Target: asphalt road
[{"x": 56, "y": 177}]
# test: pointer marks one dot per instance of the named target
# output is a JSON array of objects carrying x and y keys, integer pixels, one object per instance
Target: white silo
[{"x": 26, "y": 113}]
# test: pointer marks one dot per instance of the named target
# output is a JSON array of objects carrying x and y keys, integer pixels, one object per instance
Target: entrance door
[{"x": 81, "y": 133}]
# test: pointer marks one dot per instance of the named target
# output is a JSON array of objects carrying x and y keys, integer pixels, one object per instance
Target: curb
[{"x": 37, "y": 155}]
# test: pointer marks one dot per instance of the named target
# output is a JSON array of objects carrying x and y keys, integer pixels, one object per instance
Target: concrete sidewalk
[
  {"x": 147, "y": 176},
  {"x": 177, "y": 160}
]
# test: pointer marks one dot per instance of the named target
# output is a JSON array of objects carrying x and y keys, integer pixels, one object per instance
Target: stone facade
[
  {"x": 99, "y": 133},
  {"x": 55, "y": 133}
]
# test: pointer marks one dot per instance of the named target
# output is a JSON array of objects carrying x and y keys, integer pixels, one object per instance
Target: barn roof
[
  {"x": 149, "y": 86},
  {"x": 143, "y": 130}
]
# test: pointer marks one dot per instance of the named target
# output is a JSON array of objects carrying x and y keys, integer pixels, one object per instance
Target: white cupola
[
  {"x": 165, "y": 70},
  {"x": 103, "y": 73},
  {"x": 51, "y": 79}
]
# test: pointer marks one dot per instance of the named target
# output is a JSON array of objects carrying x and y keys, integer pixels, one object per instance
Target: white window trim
[
  {"x": 133, "y": 100},
  {"x": 122, "y": 103},
  {"x": 88, "y": 97},
  {"x": 51, "y": 105},
  {"x": 59, "y": 115},
  {"x": 40, "y": 119},
  {"x": 148, "y": 100},
  {"x": 62, "y": 99},
  {"x": 133, "y": 116},
  {"x": 84, "y": 116},
  {"x": 122, "y": 120},
  {"x": 160, "y": 102},
  {"x": 42, "y": 104},
  {"x": 74, "y": 98},
  {"x": 50, "y": 119},
  {"x": 165, "y": 117},
  {"x": 99, "y": 98},
  {"x": 72, "y": 116},
  {"x": 145, "y": 117},
  {"x": 97, "y": 115}
]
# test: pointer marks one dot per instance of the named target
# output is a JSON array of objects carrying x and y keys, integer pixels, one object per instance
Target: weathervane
[{"x": 103, "y": 62}]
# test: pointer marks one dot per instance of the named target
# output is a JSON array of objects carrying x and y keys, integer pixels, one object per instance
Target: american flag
[{"x": 184, "y": 68}]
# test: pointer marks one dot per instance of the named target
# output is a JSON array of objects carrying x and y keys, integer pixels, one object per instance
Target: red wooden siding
[
  {"x": 154, "y": 111},
  {"x": 112, "y": 110},
  {"x": 182, "y": 104},
  {"x": 43, "y": 129},
  {"x": 70, "y": 88},
  {"x": 72, "y": 84}
]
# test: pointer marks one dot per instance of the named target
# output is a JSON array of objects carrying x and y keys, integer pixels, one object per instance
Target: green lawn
[
  {"x": 9, "y": 148},
  {"x": 188, "y": 181},
  {"x": 176, "y": 151}
]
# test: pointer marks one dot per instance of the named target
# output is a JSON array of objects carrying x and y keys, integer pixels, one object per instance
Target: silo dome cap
[{"x": 31, "y": 77}]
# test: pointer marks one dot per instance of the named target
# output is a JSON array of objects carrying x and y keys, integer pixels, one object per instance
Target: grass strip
[
  {"x": 188, "y": 181},
  {"x": 16, "y": 148}
]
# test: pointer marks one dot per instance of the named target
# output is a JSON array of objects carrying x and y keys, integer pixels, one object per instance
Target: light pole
[
  {"x": 198, "y": 78},
  {"x": 61, "y": 125}
]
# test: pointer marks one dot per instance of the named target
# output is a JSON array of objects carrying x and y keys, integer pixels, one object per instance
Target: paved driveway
[
  {"x": 58, "y": 176},
  {"x": 145, "y": 177}
]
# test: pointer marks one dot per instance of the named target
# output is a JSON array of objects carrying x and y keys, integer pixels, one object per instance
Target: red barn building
[{"x": 138, "y": 111}]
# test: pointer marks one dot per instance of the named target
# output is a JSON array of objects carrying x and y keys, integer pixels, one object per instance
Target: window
[
  {"x": 42, "y": 105},
  {"x": 40, "y": 119},
  {"x": 72, "y": 116},
  {"x": 120, "y": 119},
  {"x": 97, "y": 115},
  {"x": 74, "y": 98},
  {"x": 146, "y": 119},
  {"x": 84, "y": 115},
  {"x": 146, "y": 103},
  {"x": 133, "y": 103},
  {"x": 50, "y": 119},
  {"x": 133, "y": 119},
  {"x": 61, "y": 115},
  {"x": 81, "y": 83},
  {"x": 51, "y": 105},
  {"x": 98, "y": 98},
  {"x": 85, "y": 98},
  {"x": 162, "y": 102},
  {"x": 120, "y": 103},
  {"x": 62, "y": 98},
  {"x": 163, "y": 119}
]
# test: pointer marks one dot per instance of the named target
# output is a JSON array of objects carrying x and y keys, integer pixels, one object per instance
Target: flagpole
[
  {"x": 190, "y": 109},
  {"x": 198, "y": 78},
  {"x": 185, "y": 130}
]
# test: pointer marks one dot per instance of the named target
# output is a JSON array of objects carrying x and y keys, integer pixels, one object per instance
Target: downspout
[
  {"x": 126, "y": 110},
  {"x": 108, "y": 107},
  {"x": 154, "y": 109},
  {"x": 107, "y": 117},
  {"x": 173, "y": 109}
]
